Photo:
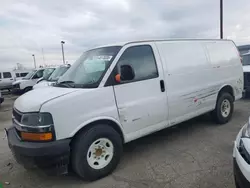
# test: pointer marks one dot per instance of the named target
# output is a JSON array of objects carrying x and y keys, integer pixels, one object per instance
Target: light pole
[
  {"x": 221, "y": 19},
  {"x": 34, "y": 58},
  {"x": 62, "y": 43},
  {"x": 43, "y": 57}
]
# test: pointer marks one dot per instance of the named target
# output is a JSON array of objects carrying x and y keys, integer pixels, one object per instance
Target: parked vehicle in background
[
  {"x": 21, "y": 74},
  {"x": 26, "y": 84},
  {"x": 115, "y": 94},
  {"x": 46, "y": 74},
  {"x": 246, "y": 70},
  {"x": 1, "y": 98},
  {"x": 6, "y": 79},
  {"x": 241, "y": 157},
  {"x": 53, "y": 78},
  {"x": 243, "y": 49}
]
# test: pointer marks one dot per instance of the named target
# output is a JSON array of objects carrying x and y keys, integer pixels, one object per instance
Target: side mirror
[{"x": 127, "y": 74}]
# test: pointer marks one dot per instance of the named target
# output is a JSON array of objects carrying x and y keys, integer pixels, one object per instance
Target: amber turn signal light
[{"x": 36, "y": 136}]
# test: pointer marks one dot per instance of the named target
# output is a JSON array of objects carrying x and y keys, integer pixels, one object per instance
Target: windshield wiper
[{"x": 68, "y": 83}]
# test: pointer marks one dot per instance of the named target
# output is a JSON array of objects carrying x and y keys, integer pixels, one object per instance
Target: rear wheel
[
  {"x": 96, "y": 152},
  {"x": 224, "y": 108}
]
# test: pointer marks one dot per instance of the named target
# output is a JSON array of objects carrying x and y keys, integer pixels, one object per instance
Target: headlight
[
  {"x": 246, "y": 130},
  {"x": 37, "y": 127},
  {"x": 37, "y": 119}
]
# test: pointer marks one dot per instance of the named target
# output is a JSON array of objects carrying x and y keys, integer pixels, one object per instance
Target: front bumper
[
  {"x": 46, "y": 155},
  {"x": 1, "y": 100},
  {"x": 16, "y": 88},
  {"x": 240, "y": 179}
]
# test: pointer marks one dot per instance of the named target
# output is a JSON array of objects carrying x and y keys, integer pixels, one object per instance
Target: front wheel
[
  {"x": 224, "y": 108},
  {"x": 27, "y": 89},
  {"x": 96, "y": 152}
]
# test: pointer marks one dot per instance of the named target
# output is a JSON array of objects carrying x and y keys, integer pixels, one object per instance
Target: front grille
[
  {"x": 243, "y": 152},
  {"x": 17, "y": 115}
]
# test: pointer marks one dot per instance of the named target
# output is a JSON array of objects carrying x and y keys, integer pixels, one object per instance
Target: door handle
[
  {"x": 11, "y": 79},
  {"x": 162, "y": 85}
]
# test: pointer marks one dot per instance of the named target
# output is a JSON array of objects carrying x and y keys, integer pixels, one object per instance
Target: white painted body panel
[
  {"x": 43, "y": 84},
  {"x": 88, "y": 105},
  {"x": 25, "y": 83},
  {"x": 192, "y": 83},
  {"x": 33, "y": 100}
]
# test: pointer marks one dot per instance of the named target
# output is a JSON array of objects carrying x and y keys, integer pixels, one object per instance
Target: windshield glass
[
  {"x": 246, "y": 59},
  {"x": 29, "y": 75},
  {"x": 89, "y": 69},
  {"x": 57, "y": 73},
  {"x": 47, "y": 73}
]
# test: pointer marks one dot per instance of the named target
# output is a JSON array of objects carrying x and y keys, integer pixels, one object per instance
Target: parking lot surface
[{"x": 197, "y": 153}]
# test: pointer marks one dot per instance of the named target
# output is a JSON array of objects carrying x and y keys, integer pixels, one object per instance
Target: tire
[
  {"x": 27, "y": 89},
  {"x": 219, "y": 114},
  {"x": 236, "y": 184},
  {"x": 82, "y": 155}
]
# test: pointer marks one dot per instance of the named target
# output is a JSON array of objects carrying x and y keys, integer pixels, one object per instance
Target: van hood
[
  {"x": 42, "y": 84},
  {"x": 33, "y": 100},
  {"x": 246, "y": 68}
]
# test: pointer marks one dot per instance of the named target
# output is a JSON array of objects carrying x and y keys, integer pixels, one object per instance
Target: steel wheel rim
[
  {"x": 100, "y": 153},
  {"x": 225, "y": 108}
]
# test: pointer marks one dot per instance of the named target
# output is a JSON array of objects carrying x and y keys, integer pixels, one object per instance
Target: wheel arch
[
  {"x": 101, "y": 120},
  {"x": 226, "y": 88}
]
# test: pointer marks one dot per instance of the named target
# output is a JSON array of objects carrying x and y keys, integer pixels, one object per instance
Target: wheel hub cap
[
  {"x": 100, "y": 153},
  {"x": 225, "y": 108}
]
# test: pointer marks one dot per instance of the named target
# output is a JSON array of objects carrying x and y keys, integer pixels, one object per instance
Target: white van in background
[
  {"x": 19, "y": 74},
  {"x": 117, "y": 93},
  {"x": 6, "y": 79},
  {"x": 26, "y": 84},
  {"x": 59, "y": 71}
]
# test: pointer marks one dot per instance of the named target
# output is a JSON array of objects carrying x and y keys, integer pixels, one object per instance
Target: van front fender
[{"x": 97, "y": 120}]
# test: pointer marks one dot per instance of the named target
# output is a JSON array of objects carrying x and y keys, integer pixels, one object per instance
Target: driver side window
[
  {"x": 142, "y": 60},
  {"x": 39, "y": 74}
]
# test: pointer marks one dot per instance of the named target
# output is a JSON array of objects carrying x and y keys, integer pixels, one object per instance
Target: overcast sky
[{"x": 28, "y": 26}]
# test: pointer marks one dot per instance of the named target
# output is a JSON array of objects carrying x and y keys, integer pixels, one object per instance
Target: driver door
[{"x": 142, "y": 101}]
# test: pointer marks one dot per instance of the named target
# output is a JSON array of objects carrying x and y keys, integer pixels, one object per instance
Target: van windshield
[
  {"x": 29, "y": 75},
  {"x": 89, "y": 69},
  {"x": 246, "y": 59},
  {"x": 57, "y": 73},
  {"x": 47, "y": 73}
]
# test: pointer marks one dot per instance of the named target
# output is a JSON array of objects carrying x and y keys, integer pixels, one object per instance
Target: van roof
[{"x": 159, "y": 40}]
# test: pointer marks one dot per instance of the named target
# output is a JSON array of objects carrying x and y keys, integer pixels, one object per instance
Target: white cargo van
[
  {"x": 59, "y": 71},
  {"x": 26, "y": 84},
  {"x": 21, "y": 74},
  {"x": 117, "y": 93},
  {"x": 6, "y": 79}
]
